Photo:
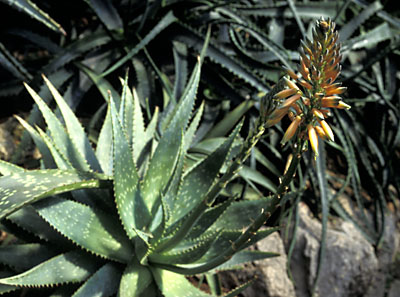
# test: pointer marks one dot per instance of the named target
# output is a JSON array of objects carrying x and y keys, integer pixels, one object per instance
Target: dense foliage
[{"x": 84, "y": 46}]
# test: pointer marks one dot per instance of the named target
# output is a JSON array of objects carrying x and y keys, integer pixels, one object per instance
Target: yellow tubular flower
[
  {"x": 328, "y": 131},
  {"x": 313, "y": 137},
  {"x": 320, "y": 132},
  {"x": 291, "y": 130}
]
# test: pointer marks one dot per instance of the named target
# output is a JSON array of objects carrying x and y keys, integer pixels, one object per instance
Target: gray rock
[
  {"x": 394, "y": 290},
  {"x": 276, "y": 279},
  {"x": 270, "y": 275},
  {"x": 349, "y": 265}
]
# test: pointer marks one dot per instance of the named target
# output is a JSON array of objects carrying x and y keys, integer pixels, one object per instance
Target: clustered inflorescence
[{"x": 308, "y": 97}]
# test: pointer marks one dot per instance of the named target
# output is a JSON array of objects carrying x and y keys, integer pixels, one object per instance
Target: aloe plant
[{"x": 130, "y": 217}]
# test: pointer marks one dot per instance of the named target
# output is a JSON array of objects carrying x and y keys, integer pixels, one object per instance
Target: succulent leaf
[
  {"x": 29, "y": 220},
  {"x": 7, "y": 288},
  {"x": 131, "y": 207},
  {"x": 89, "y": 228},
  {"x": 138, "y": 131},
  {"x": 75, "y": 129},
  {"x": 245, "y": 257},
  {"x": 167, "y": 20},
  {"x": 191, "y": 130},
  {"x": 65, "y": 268},
  {"x": 19, "y": 189},
  {"x": 104, "y": 282},
  {"x": 198, "y": 181},
  {"x": 135, "y": 279},
  {"x": 60, "y": 137},
  {"x": 226, "y": 238},
  {"x": 47, "y": 157},
  {"x": 240, "y": 214},
  {"x": 59, "y": 158},
  {"x": 165, "y": 157},
  {"x": 7, "y": 168},
  {"x": 35, "y": 12},
  {"x": 208, "y": 218},
  {"x": 102, "y": 84},
  {"x": 192, "y": 251},
  {"x": 172, "y": 284},
  {"x": 24, "y": 256},
  {"x": 104, "y": 150}
]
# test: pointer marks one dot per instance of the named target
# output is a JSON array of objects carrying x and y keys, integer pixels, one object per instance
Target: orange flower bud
[
  {"x": 291, "y": 130},
  {"x": 288, "y": 102},
  {"x": 305, "y": 84},
  {"x": 285, "y": 93},
  {"x": 291, "y": 73},
  {"x": 291, "y": 84},
  {"x": 342, "y": 105},
  {"x": 336, "y": 91},
  {"x": 331, "y": 101},
  {"x": 276, "y": 116}
]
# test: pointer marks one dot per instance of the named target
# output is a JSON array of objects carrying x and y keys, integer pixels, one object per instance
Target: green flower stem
[
  {"x": 230, "y": 174},
  {"x": 236, "y": 246}
]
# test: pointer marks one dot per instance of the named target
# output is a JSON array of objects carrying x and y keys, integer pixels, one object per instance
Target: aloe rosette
[{"x": 131, "y": 217}]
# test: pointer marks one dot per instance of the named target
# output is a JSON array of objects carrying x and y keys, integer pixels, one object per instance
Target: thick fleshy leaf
[
  {"x": 59, "y": 158},
  {"x": 65, "y": 268},
  {"x": 135, "y": 279},
  {"x": 35, "y": 12},
  {"x": 164, "y": 160},
  {"x": 24, "y": 256},
  {"x": 208, "y": 218},
  {"x": 19, "y": 189},
  {"x": 224, "y": 241},
  {"x": 7, "y": 288},
  {"x": 7, "y": 168},
  {"x": 103, "y": 283},
  {"x": 74, "y": 127},
  {"x": 9, "y": 62},
  {"x": 107, "y": 13},
  {"x": 164, "y": 23},
  {"x": 104, "y": 151},
  {"x": 40, "y": 143},
  {"x": 198, "y": 181},
  {"x": 181, "y": 68},
  {"x": 230, "y": 120},
  {"x": 101, "y": 83},
  {"x": 172, "y": 285},
  {"x": 189, "y": 252},
  {"x": 59, "y": 135},
  {"x": 91, "y": 229},
  {"x": 245, "y": 257},
  {"x": 131, "y": 208},
  {"x": 253, "y": 175},
  {"x": 29, "y": 220},
  {"x": 239, "y": 214},
  {"x": 138, "y": 131},
  {"x": 126, "y": 108},
  {"x": 191, "y": 130}
]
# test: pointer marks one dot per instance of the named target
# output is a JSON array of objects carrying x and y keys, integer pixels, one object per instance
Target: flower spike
[{"x": 314, "y": 89}]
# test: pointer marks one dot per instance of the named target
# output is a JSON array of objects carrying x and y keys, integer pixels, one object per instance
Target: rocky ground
[{"x": 352, "y": 267}]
